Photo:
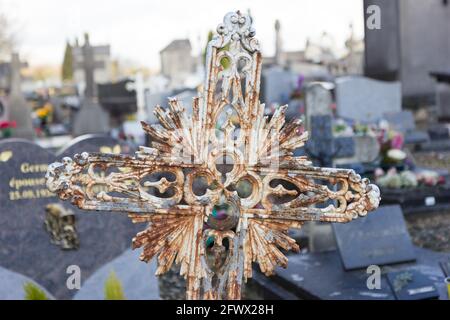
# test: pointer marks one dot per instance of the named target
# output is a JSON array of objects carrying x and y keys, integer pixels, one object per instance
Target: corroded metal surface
[
  {"x": 60, "y": 224},
  {"x": 216, "y": 234}
]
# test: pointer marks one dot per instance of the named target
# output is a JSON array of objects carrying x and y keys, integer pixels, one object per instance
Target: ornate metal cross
[{"x": 244, "y": 213}]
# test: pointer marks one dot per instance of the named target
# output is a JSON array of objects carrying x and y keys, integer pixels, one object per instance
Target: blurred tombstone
[
  {"x": 366, "y": 100},
  {"x": 378, "y": 239},
  {"x": 323, "y": 147},
  {"x": 277, "y": 85},
  {"x": 412, "y": 40},
  {"x": 129, "y": 270},
  {"x": 139, "y": 88},
  {"x": 403, "y": 122},
  {"x": 318, "y": 101},
  {"x": 443, "y": 93},
  {"x": 367, "y": 148},
  {"x": 152, "y": 100},
  {"x": 366, "y": 151},
  {"x": 91, "y": 118},
  {"x": 118, "y": 99},
  {"x": 4, "y": 112},
  {"x": 12, "y": 287},
  {"x": 39, "y": 236},
  {"x": 19, "y": 110}
]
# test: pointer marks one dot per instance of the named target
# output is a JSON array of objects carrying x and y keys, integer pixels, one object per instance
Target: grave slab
[
  {"x": 322, "y": 276},
  {"x": 378, "y": 239}
]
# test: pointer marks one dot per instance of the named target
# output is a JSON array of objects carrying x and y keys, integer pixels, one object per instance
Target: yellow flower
[{"x": 42, "y": 112}]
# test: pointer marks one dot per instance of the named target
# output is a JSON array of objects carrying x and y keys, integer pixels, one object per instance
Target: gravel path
[
  {"x": 437, "y": 160},
  {"x": 430, "y": 230}
]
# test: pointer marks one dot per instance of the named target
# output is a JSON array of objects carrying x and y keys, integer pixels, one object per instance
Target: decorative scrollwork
[{"x": 255, "y": 189}]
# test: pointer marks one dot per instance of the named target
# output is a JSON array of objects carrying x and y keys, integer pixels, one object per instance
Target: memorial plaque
[
  {"x": 380, "y": 238},
  {"x": 37, "y": 229},
  {"x": 412, "y": 285}
]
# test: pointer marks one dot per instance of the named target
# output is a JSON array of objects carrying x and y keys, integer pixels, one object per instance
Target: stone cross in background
[
  {"x": 19, "y": 110},
  {"x": 89, "y": 64},
  {"x": 91, "y": 118},
  {"x": 323, "y": 147}
]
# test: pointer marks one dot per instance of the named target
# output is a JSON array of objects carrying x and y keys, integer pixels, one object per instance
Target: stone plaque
[{"x": 380, "y": 238}]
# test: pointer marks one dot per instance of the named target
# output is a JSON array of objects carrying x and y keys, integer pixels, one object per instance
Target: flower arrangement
[
  {"x": 407, "y": 179},
  {"x": 44, "y": 112},
  {"x": 343, "y": 129},
  {"x": 391, "y": 143},
  {"x": 7, "y": 128},
  {"x": 44, "y": 115}
]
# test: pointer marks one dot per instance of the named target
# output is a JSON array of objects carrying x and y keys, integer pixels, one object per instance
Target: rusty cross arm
[
  {"x": 356, "y": 196},
  {"x": 216, "y": 234}
]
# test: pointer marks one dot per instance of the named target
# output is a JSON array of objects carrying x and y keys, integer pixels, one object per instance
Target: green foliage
[
  {"x": 33, "y": 292},
  {"x": 113, "y": 288},
  {"x": 67, "y": 67}
]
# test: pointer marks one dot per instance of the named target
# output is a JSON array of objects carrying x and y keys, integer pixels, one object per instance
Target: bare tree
[{"x": 6, "y": 38}]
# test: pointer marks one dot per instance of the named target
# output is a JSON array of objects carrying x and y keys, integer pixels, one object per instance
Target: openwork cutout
[{"x": 255, "y": 188}]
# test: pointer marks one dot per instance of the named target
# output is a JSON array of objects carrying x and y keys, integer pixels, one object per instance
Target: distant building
[
  {"x": 177, "y": 62},
  {"x": 322, "y": 50},
  {"x": 308, "y": 62},
  {"x": 414, "y": 39},
  {"x": 352, "y": 63}
]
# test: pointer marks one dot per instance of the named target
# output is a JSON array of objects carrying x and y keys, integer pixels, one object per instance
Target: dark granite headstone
[
  {"x": 404, "y": 122},
  {"x": 322, "y": 276},
  {"x": 25, "y": 245},
  {"x": 380, "y": 238},
  {"x": 412, "y": 285},
  {"x": 439, "y": 132}
]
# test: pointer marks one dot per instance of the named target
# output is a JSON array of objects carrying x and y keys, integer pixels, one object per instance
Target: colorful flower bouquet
[{"x": 7, "y": 128}]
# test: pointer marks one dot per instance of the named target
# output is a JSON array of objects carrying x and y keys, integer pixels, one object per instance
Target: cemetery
[{"x": 230, "y": 173}]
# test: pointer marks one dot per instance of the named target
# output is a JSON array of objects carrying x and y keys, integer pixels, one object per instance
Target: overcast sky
[{"x": 138, "y": 29}]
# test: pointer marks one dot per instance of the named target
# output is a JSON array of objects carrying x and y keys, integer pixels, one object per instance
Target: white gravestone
[
  {"x": 318, "y": 101},
  {"x": 365, "y": 99}
]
